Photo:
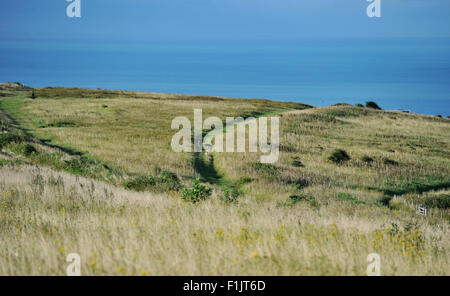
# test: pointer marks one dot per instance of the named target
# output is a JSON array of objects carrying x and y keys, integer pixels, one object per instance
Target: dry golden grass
[
  {"x": 337, "y": 213},
  {"x": 47, "y": 215}
]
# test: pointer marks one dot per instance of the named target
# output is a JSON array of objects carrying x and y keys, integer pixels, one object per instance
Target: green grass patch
[{"x": 348, "y": 197}]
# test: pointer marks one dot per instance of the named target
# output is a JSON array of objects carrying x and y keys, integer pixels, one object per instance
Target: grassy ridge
[{"x": 307, "y": 214}]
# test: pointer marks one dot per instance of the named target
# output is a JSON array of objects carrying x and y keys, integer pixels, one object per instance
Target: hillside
[{"x": 93, "y": 172}]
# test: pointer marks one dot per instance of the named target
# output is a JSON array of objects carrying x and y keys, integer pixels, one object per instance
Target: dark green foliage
[
  {"x": 384, "y": 201},
  {"x": 400, "y": 187},
  {"x": 297, "y": 163},
  {"x": 267, "y": 169},
  {"x": 29, "y": 149},
  {"x": 367, "y": 159},
  {"x": 33, "y": 95},
  {"x": 341, "y": 104},
  {"x": 348, "y": 197},
  {"x": 440, "y": 202},
  {"x": 373, "y": 105},
  {"x": 196, "y": 193},
  {"x": 229, "y": 195},
  {"x": 244, "y": 180},
  {"x": 165, "y": 181},
  {"x": 104, "y": 106},
  {"x": 296, "y": 198},
  {"x": 8, "y": 138},
  {"x": 359, "y": 105},
  {"x": 339, "y": 156},
  {"x": 388, "y": 161},
  {"x": 60, "y": 124}
]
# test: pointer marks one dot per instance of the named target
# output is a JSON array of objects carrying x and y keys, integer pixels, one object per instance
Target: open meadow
[{"x": 93, "y": 172}]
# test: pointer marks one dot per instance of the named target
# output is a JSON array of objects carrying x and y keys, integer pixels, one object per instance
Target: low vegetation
[{"x": 92, "y": 172}]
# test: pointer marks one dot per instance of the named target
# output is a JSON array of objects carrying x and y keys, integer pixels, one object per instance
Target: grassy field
[{"x": 92, "y": 172}]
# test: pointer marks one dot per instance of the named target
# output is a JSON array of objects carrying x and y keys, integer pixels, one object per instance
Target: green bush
[
  {"x": 165, "y": 181},
  {"x": 297, "y": 162},
  {"x": 373, "y": 105},
  {"x": 359, "y": 105},
  {"x": 388, "y": 161},
  {"x": 267, "y": 170},
  {"x": 7, "y": 138},
  {"x": 385, "y": 201},
  {"x": 29, "y": 149},
  {"x": 296, "y": 198},
  {"x": 348, "y": 197},
  {"x": 339, "y": 156},
  {"x": 367, "y": 159},
  {"x": 440, "y": 202},
  {"x": 229, "y": 195},
  {"x": 197, "y": 193},
  {"x": 244, "y": 180}
]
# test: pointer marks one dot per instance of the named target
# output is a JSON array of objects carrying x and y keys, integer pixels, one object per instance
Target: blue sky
[{"x": 140, "y": 20}]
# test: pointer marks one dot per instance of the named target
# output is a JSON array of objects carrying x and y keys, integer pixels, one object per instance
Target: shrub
[
  {"x": 104, "y": 106},
  {"x": 367, "y": 159},
  {"x": 163, "y": 182},
  {"x": 29, "y": 149},
  {"x": 348, "y": 197},
  {"x": 197, "y": 193},
  {"x": 63, "y": 123},
  {"x": 296, "y": 198},
  {"x": 359, "y": 105},
  {"x": 297, "y": 163},
  {"x": 229, "y": 195},
  {"x": 33, "y": 95},
  {"x": 267, "y": 170},
  {"x": 373, "y": 105},
  {"x": 339, "y": 156},
  {"x": 141, "y": 183},
  {"x": 5, "y": 139},
  {"x": 244, "y": 180},
  {"x": 385, "y": 201},
  {"x": 440, "y": 202},
  {"x": 388, "y": 161}
]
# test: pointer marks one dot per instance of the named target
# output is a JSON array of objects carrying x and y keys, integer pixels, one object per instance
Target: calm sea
[{"x": 408, "y": 74}]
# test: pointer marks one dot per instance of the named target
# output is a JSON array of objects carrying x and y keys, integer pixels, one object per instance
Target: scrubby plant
[
  {"x": 385, "y": 201},
  {"x": 367, "y": 159},
  {"x": 163, "y": 182},
  {"x": 229, "y": 195},
  {"x": 196, "y": 193},
  {"x": 440, "y": 202},
  {"x": 339, "y": 156},
  {"x": 7, "y": 138},
  {"x": 373, "y": 105},
  {"x": 296, "y": 198},
  {"x": 297, "y": 162},
  {"x": 29, "y": 149},
  {"x": 348, "y": 197},
  {"x": 359, "y": 105},
  {"x": 388, "y": 161},
  {"x": 266, "y": 169},
  {"x": 33, "y": 95},
  {"x": 244, "y": 180}
]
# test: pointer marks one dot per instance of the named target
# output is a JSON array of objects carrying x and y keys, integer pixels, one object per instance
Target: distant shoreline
[{"x": 443, "y": 114}]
